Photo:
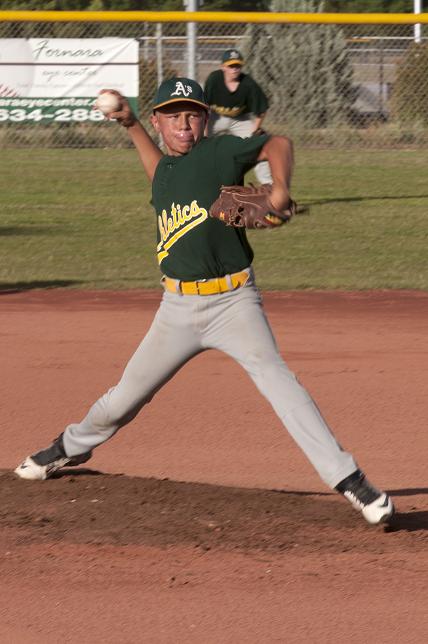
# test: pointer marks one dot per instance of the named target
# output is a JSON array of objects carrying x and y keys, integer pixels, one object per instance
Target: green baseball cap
[
  {"x": 232, "y": 57},
  {"x": 177, "y": 90}
]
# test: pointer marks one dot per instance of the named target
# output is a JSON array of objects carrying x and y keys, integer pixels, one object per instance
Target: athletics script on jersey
[{"x": 177, "y": 223}]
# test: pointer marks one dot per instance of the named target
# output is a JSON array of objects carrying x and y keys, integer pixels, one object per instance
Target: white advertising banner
[{"x": 58, "y": 79}]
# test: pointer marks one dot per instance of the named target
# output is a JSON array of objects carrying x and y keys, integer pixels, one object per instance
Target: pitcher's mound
[{"x": 85, "y": 506}]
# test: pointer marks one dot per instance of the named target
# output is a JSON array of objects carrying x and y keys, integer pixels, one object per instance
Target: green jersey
[
  {"x": 247, "y": 98},
  {"x": 191, "y": 245}
]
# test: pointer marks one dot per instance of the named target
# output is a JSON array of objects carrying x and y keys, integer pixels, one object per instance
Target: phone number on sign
[{"x": 61, "y": 115}]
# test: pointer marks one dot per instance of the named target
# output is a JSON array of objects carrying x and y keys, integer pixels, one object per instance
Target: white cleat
[
  {"x": 376, "y": 512},
  {"x": 42, "y": 465},
  {"x": 31, "y": 471},
  {"x": 375, "y": 506}
]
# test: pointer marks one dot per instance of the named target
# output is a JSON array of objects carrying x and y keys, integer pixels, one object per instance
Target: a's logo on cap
[
  {"x": 182, "y": 90},
  {"x": 234, "y": 54}
]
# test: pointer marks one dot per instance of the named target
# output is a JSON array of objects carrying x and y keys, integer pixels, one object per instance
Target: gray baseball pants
[
  {"x": 243, "y": 127},
  {"x": 232, "y": 322}
]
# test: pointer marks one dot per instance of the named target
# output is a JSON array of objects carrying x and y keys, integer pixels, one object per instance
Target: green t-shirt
[
  {"x": 247, "y": 98},
  {"x": 191, "y": 244}
]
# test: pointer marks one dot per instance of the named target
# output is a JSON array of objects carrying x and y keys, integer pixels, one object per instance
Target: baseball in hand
[{"x": 107, "y": 103}]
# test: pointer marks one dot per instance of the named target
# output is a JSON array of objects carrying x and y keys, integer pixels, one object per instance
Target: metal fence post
[
  {"x": 191, "y": 5},
  {"x": 159, "y": 65},
  {"x": 417, "y": 8},
  {"x": 381, "y": 76}
]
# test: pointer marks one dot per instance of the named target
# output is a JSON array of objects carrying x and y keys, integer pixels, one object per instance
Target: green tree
[
  {"x": 305, "y": 69},
  {"x": 334, "y": 6},
  {"x": 373, "y": 6},
  {"x": 235, "y": 5},
  {"x": 131, "y": 5},
  {"x": 369, "y": 6}
]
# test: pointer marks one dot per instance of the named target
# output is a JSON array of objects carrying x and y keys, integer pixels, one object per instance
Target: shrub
[{"x": 305, "y": 69}]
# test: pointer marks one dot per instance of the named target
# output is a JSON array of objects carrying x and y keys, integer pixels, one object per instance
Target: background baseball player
[
  {"x": 210, "y": 298},
  {"x": 238, "y": 104}
]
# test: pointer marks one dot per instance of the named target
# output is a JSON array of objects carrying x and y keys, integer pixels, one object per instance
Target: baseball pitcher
[{"x": 210, "y": 298}]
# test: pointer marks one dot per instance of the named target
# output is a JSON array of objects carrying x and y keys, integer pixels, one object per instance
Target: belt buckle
[{"x": 197, "y": 282}]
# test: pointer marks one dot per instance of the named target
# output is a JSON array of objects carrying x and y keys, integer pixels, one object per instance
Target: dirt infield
[{"x": 201, "y": 522}]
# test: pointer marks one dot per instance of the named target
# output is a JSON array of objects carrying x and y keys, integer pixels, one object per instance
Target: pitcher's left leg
[{"x": 243, "y": 332}]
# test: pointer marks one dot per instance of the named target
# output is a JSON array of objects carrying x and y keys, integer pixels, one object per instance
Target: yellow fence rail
[{"x": 215, "y": 16}]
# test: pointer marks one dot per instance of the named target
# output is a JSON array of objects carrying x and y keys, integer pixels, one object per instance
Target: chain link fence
[{"x": 328, "y": 85}]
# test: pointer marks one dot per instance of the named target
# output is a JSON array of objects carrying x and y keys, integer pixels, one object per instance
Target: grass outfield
[{"x": 81, "y": 218}]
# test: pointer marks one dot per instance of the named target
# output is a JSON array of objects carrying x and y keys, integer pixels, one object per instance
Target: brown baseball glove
[{"x": 249, "y": 207}]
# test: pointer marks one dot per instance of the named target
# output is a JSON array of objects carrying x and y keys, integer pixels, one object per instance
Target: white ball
[{"x": 107, "y": 103}]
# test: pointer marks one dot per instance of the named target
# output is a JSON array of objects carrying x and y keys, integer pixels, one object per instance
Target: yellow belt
[{"x": 206, "y": 287}]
